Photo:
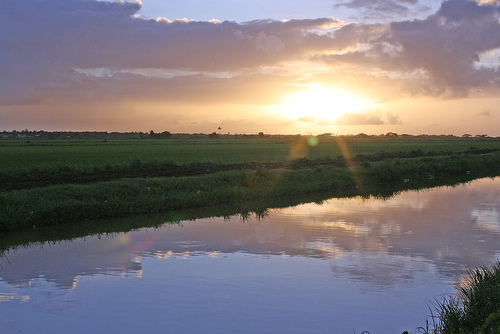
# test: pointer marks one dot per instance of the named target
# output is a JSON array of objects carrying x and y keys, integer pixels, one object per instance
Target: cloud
[
  {"x": 448, "y": 44},
  {"x": 367, "y": 117},
  {"x": 308, "y": 119},
  {"x": 45, "y": 41},
  {"x": 393, "y": 119},
  {"x": 439, "y": 55},
  {"x": 383, "y": 10},
  {"x": 352, "y": 35},
  {"x": 195, "y": 89},
  {"x": 51, "y": 47},
  {"x": 361, "y": 118},
  {"x": 486, "y": 113},
  {"x": 386, "y": 7}
]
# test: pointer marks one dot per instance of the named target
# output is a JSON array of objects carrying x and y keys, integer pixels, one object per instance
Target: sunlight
[{"x": 323, "y": 104}]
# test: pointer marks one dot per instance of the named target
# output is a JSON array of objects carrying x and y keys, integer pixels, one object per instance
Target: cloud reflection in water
[{"x": 452, "y": 227}]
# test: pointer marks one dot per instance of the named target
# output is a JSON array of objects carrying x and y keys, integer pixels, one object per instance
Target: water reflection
[
  {"x": 454, "y": 227},
  {"x": 62, "y": 263},
  {"x": 419, "y": 241}
]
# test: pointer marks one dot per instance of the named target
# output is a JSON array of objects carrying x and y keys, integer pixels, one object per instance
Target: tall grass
[
  {"x": 73, "y": 203},
  {"x": 476, "y": 307}
]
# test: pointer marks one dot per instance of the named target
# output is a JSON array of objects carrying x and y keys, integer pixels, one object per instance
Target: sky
[{"x": 249, "y": 66}]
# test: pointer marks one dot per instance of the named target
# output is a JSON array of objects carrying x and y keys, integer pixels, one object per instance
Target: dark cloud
[
  {"x": 458, "y": 11},
  {"x": 380, "y": 7},
  {"x": 448, "y": 44},
  {"x": 43, "y": 42},
  {"x": 440, "y": 54},
  {"x": 353, "y": 34}
]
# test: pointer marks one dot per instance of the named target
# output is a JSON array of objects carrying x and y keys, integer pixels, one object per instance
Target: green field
[
  {"x": 56, "y": 182},
  {"x": 85, "y": 154}
]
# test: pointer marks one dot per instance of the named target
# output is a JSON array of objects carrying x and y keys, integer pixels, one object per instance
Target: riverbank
[{"x": 79, "y": 203}]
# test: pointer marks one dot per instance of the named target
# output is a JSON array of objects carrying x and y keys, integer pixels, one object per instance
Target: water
[{"x": 343, "y": 266}]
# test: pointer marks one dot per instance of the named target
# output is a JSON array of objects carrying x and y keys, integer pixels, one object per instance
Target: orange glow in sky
[{"x": 323, "y": 104}]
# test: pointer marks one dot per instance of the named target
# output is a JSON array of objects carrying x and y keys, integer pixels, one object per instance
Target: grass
[
  {"x": 49, "y": 173},
  {"x": 93, "y": 154},
  {"x": 79, "y": 203},
  {"x": 75, "y": 203},
  {"x": 476, "y": 307},
  {"x": 51, "y": 182}
]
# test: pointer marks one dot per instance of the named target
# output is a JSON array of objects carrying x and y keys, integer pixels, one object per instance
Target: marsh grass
[{"x": 475, "y": 308}]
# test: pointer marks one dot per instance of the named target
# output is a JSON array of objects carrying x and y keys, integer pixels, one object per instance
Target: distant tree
[
  {"x": 164, "y": 135},
  {"x": 213, "y": 135},
  {"x": 467, "y": 135},
  {"x": 261, "y": 134}
]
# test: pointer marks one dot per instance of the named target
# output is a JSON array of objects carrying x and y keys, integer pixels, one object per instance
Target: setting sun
[{"x": 323, "y": 104}]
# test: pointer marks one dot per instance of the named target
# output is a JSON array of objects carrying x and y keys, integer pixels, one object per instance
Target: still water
[{"x": 342, "y": 266}]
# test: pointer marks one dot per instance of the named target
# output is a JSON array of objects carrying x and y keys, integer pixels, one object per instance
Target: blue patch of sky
[{"x": 248, "y": 10}]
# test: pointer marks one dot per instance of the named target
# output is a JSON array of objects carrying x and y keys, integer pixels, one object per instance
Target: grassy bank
[{"x": 76, "y": 203}]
